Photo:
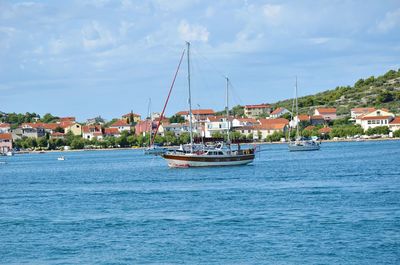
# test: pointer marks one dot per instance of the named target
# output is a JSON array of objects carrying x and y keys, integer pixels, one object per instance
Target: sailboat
[
  {"x": 300, "y": 143},
  {"x": 201, "y": 155},
  {"x": 152, "y": 149}
]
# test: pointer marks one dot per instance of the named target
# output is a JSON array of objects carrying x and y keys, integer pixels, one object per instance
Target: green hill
[{"x": 380, "y": 92}]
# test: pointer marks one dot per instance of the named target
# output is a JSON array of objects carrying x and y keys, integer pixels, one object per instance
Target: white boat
[
  {"x": 61, "y": 158},
  {"x": 205, "y": 156},
  {"x": 155, "y": 150},
  {"x": 300, "y": 143},
  {"x": 10, "y": 153},
  {"x": 303, "y": 145}
]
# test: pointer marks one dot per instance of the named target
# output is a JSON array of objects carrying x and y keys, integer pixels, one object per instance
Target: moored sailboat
[
  {"x": 222, "y": 154},
  {"x": 300, "y": 143}
]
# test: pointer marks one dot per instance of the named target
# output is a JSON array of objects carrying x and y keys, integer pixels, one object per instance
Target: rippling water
[{"x": 340, "y": 205}]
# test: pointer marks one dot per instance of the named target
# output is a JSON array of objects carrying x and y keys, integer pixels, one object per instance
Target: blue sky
[{"x": 99, "y": 57}]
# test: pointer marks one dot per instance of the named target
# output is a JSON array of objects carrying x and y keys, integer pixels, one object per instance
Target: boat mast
[
  {"x": 151, "y": 122},
  {"x": 297, "y": 113},
  {"x": 227, "y": 109},
  {"x": 190, "y": 98}
]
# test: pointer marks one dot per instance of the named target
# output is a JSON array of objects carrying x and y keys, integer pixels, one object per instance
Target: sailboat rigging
[{"x": 202, "y": 155}]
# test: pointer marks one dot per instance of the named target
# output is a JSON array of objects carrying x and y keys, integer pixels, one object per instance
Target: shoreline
[{"x": 142, "y": 148}]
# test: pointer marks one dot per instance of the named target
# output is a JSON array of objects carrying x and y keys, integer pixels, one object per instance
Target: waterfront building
[
  {"x": 5, "y": 127},
  {"x": 298, "y": 119},
  {"x": 91, "y": 131},
  {"x": 241, "y": 122},
  {"x": 121, "y": 125},
  {"x": 57, "y": 135},
  {"x": 5, "y": 142},
  {"x": 198, "y": 115},
  {"x": 255, "y": 111},
  {"x": 217, "y": 124},
  {"x": 278, "y": 112},
  {"x": 112, "y": 132},
  {"x": 329, "y": 114},
  {"x": 394, "y": 125},
  {"x": 355, "y": 112},
  {"x": 269, "y": 126},
  {"x": 376, "y": 118},
  {"x": 317, "y": 120},
  {"x": 75, "y": 128},
  {"x": 143, "y": 127}
]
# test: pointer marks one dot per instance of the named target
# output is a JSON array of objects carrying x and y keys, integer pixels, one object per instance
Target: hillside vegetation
[{"x": 380, "y": 92}]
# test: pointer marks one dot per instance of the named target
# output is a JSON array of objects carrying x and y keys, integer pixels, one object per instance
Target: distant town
[{"x": 375, "y": 115}]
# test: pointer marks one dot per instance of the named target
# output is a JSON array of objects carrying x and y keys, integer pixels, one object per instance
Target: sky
[{"x": 86, "y": 58}]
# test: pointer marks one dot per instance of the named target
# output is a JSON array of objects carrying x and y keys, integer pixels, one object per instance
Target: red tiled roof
[
  {"x": 303, "y": 117},
  {"x": 365, "y": 118},
  {"x": 218, "y": 118},
  {"x": 97, "y": 133},
  {"x": 49, "y": 126},
  {"x": 4, "y": 125},
  {"x": 396, "y": 120},
  {"x": 119, "y": 123},
  {"x": 257, "y": 106},
  {"x": 5, "y": 136},
  {"x": 274, "y": 121},
  {"x": 363, "y": 110},
  {"x": 111, "y": 131},
  {"x": 86, "y": 128},
  {"x": 316, "y": 117},
  {"x": 57, "y": 134},
  {"x": 325, "y": 130},
  {"x": 326, "y": 110},
  {"x": 277, "y": 111},
  {"x": 65, "y": 124},
  {"x": 309, "y": 128},
  {"x": 270, "y": 126}
]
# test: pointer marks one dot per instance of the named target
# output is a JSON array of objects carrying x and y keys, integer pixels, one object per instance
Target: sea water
[{"x": 339, "y": 205}]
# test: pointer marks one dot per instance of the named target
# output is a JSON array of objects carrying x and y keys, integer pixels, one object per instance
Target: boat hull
[
  {"x": 204, "y": 161},
  {"x": 296, "y": 148}
]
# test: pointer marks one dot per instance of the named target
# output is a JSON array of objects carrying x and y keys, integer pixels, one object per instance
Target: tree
[
  {"x": 47, "y": 118},
  {"x": 384, "y": 96},
  {"x": 380, "y": 130},
  {"x": 275, "y": 137},
  {"x": 396, "y": 134},
  {"x": 77, "y": 143},
  {"x": 42, "y": 142},
  {"x": 177, "y": 119}
]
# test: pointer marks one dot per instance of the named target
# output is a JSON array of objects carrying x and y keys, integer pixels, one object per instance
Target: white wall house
[
  {"x": 355, "y": 112},
  {"x": 278, "y": 112},
  {"x": 5, "y": 128},
  {"x": 376, "y": 118},
  {"x": 121, "y": 125},
  {"x": 218, "y": 124},
  {"x": 329, "y": 114},
  {"x": 240, "y": 122}
]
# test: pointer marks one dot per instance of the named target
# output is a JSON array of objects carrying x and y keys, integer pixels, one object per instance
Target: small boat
[
  {"x": 10, "y": 153},
  {"x": 61, "y": 158},
  {"x": 303, "y": 145},
  {"x": 155, "y": 150}
]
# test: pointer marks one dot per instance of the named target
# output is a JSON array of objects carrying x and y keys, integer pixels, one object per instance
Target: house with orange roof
[
  {"x": 329, "y": 114},
  {"x": 298, "y": 119},
  {"x": 131, "y": 117},
  {"x": 325, "y": 130},
  {"x": 121, "y": 125},
  {"x": 355, "y": 112},
  {"x": 257, "y": 110},
  {"x": 198, "y": 115},
  {"x": 394, "y": 125},
  {"x": 73, "y": 127},
  {"x": 317, "y": 120},
  {"x": 379, "y": 117},
  {"x": 91, "y": 131},
  {"x": 112, "y": 132},
  {"x": 240, "y": 122},
  {"x": 5, "y": 127},
  {"x": 57, "y": 135},
  {"x": 278, "y": 112},
  {"x": 270, "y": 126},
  {"x": 67, "y": 119},
  {"x": 6, "y": 143}
]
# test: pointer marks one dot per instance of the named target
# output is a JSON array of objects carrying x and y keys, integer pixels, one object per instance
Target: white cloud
[
  {"x": 193, "y": 32},
  {"x": 391, "y": 20},
  {"x": 95, "y": 36},
  {"x": 272, "y": 12}
]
